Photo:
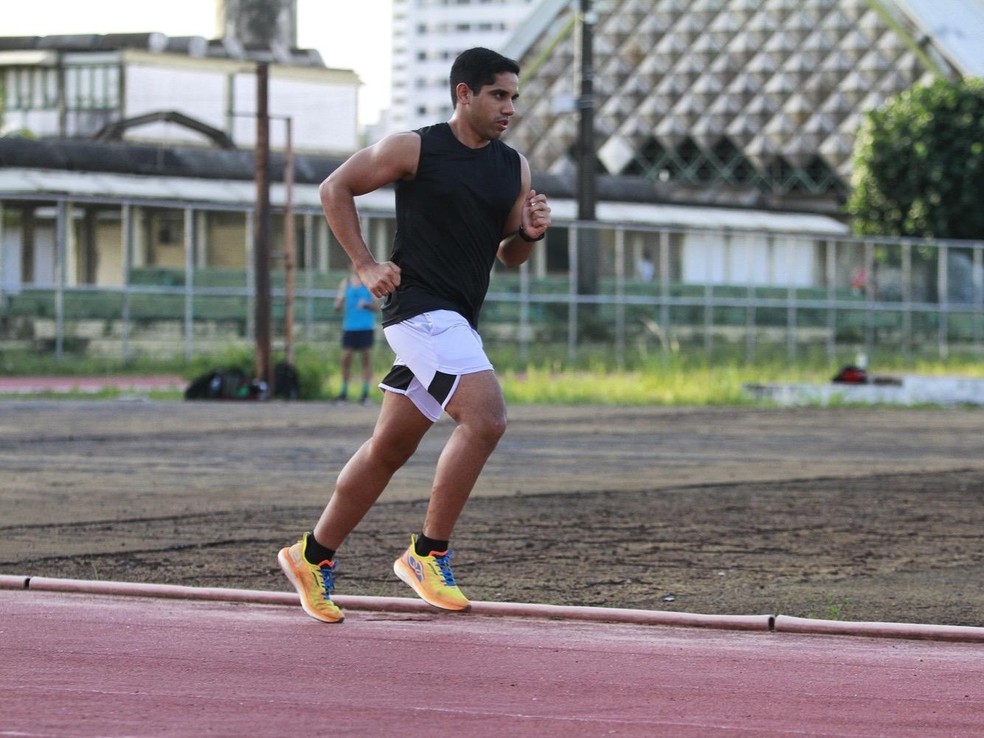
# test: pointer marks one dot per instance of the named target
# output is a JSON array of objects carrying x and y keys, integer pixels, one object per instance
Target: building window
[
  {"x": 31, "y": 88},
  {"x": 92, "y": 87}
]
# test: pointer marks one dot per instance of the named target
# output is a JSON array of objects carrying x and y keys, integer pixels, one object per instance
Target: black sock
[
  {"x": 425, "y": 546},
  {"x": 315, "y": 553}
]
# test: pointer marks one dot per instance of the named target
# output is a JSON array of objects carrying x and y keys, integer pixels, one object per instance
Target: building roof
[
  {"x": 45, "y": 185},
  {"x": 94, "y": 172},
  {"x": 83, "y": 166},
  {"x": 956, "y": 28},
  {"x": 732, "y": 99},
  {"x": 193, "y": 46},
  {"x": 78, "y": 155}
]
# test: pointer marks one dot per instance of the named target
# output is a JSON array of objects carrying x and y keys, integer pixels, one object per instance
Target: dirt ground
[{"x": 841, "y": 513}]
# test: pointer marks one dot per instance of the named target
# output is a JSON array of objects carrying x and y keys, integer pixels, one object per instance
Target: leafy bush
[{"x": 919, "y": 164}]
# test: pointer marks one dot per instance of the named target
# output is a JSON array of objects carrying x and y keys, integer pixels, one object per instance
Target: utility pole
[
  {"x": 262, "y": 229},
  {"x": 587, "y": 235},
  {"x": 290, "y": 258},
  {"x": 586, "y": 196}
]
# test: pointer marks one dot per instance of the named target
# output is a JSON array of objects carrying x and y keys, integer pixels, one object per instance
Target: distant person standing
[
  {"x": 358, "y": 331},
  {"x": 645, "y": 267}
]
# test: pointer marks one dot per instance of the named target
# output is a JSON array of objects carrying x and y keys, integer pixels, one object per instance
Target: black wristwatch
[{"x": 525, "y": 236}]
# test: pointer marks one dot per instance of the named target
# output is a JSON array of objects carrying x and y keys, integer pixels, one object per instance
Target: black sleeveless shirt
[{"x": 449, "y": 222}]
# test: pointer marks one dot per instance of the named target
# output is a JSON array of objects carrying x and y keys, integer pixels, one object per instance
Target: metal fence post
[
  {"x": 906, "y": 300},
  {"x": 749, "y": 308},
  {"x": 189, "y": 285},
  {"x": 524, "y": 311},
  {"x": 572, "y": 251},
  {"x": 620, "y": 297},
  {"x": 664, "y": 287},
  {"x": 62, "y": 226},
  {"x": 250, "y": 277},
  {"x": 708, "y": 301},
  {"x": 869, "y": 298},
  {"x": 942, "y": 300},
  {"x": 308, "y": 225},
  {"x": 790, "y": 303},
  {"x": 977, "y": 275},
  {"x": 831, "y": 277},
  {"x": 2, "y": 265},
  {"x": 126, "y": 228}
]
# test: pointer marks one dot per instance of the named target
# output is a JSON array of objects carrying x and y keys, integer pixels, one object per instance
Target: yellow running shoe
[
  {"x": 313, "y": 582},
  {"x": 431, "y": 578}
]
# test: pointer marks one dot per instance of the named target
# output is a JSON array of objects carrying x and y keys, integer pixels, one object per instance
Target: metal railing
[{"x": 802, "y": 295}]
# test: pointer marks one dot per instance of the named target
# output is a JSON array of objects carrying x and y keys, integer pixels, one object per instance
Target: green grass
[
  {"x": 673, "y": 379},
  {"x": 711, "y": 385},
  {"x": 830, "y": 608},
  {"x": 678, "y": 380}
]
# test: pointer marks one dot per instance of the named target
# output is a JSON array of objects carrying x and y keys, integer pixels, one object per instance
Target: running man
[{"x": 463, "y": 200}]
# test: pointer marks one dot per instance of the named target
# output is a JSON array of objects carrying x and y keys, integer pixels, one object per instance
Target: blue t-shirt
[{"x": 358, "y": 318}]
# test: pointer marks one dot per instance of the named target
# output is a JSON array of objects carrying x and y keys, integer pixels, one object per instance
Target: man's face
[{"x": 494, "y": 105}]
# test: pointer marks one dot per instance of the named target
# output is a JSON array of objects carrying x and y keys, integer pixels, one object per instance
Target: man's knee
[
  {"x": 488, "y": 427},
  {"x": 497, "y": 425},
  {"x": 393, "y": 453}
]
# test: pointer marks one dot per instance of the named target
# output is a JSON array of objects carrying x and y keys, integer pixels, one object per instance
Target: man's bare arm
[{"x": 392, "y": 159}]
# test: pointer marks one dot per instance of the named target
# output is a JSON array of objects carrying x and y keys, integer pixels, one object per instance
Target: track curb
[{"x": 777, "y": 624}]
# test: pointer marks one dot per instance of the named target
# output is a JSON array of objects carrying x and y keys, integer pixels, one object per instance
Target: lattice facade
[{"x": 764, "y": 95}]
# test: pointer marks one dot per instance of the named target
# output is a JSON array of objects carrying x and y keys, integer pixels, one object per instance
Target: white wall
[
  {"x": 324, "y": 116},
  {"x": 10, "y": 260},
  {"x": 44, "y": 254},
  {"x": 199, "y": 94},
  {"x": 745, "y": 259},
  {"x": 323, "y": 110}
]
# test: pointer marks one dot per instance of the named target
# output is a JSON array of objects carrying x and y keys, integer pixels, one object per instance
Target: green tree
[{"x": 919, "y": 164}]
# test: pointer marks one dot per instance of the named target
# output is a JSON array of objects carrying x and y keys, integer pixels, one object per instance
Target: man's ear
[{"x": 463, "y": 92}]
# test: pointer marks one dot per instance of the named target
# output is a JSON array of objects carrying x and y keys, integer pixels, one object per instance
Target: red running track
[
  {"x": 74, "y": 664},
  {"x": 59, "y": 385}
]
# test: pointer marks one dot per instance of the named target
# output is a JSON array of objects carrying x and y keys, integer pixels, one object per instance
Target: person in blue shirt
[{"x": 358, "y": 331}]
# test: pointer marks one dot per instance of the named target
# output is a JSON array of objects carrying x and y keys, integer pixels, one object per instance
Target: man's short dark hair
[{"x": 478, "y": 67}]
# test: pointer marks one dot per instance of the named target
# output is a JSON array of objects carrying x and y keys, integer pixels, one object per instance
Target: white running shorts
[{"x": 432, "y": 351}]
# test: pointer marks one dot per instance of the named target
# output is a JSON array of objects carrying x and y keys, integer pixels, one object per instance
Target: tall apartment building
[{"x": 427, "y": 36}]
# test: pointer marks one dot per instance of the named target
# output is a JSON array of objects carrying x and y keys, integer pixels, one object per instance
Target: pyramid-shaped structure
[{"x": 760, "y": 95}]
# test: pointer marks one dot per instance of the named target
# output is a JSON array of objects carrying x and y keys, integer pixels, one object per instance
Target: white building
[
  {"x": 91, "y": 86},
  {"x": 427, "y": 36}
]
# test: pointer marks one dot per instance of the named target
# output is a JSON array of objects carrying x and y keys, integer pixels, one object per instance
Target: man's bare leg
[
  {"x": 480, "y": 413},
  {"x": 479, "y": 410},
  {"x": 399, "y": 430}
]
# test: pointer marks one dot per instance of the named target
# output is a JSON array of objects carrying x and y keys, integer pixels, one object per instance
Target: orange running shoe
[
  {"x": 313, "y": 582},
  {"x": 431, "y": 578}
]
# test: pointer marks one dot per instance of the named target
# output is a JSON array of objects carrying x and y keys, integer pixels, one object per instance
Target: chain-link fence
[{"x": 622, "y": 293}]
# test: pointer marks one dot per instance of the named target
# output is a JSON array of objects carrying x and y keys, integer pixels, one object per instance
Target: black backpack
[
  {"x": 287, "y": 385},
  {"x": 219, "y": 384}
]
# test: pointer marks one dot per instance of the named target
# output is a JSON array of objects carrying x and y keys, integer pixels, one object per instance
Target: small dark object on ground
[
  {"x": 851, "y": 374},
  {"x": 286, "y": 382},
  {"x": 225, "y": 384}
]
